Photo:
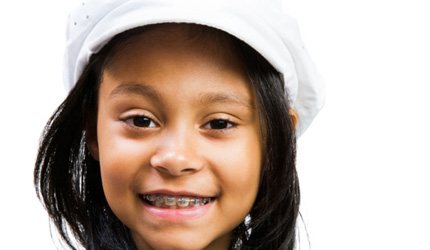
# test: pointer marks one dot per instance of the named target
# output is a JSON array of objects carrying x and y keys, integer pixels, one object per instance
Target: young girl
[{"x": 179, "y": 130}]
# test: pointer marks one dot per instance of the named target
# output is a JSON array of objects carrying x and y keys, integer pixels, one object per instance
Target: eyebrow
[
  {"x": 204, "y": 98},
  {"x": 135, "y": 89},
  {"x": 226, "y": 98}
]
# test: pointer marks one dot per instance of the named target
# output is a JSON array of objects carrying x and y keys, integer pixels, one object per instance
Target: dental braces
[{"x": 166, "y": 200}]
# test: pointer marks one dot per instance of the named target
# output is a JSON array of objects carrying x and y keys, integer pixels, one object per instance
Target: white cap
[{"x": 259, "y": 23}]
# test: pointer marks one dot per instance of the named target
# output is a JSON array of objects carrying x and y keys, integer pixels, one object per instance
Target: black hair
[{"x": 68, "y": 182}]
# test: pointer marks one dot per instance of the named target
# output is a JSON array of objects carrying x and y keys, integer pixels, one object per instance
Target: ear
[
  {"x": 294, "y": 117},
  {"x": 92, "y": 143}
]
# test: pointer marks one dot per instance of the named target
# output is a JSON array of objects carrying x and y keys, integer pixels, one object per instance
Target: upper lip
[{"x": 176, "y": 193}]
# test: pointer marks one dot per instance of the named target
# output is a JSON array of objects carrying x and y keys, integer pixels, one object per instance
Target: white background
[{"x": 363, "y": 164}]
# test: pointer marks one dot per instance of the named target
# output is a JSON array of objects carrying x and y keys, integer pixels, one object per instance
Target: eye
[
  {"x": 219, "y": 124},
  {"x": 141, "y": 122}
]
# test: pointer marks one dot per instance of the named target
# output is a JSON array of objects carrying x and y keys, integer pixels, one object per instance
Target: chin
[{"x": 178, "y": 241}]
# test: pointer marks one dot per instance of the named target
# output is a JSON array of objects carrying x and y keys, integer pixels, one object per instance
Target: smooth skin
[{"x": 178, "y": 114}]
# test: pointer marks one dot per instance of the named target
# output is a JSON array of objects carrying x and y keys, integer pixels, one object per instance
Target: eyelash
[
  {"x": 148, "y": 123},
  {"x": 224, "y": 122},
  {"x": 131, "y": 121}
]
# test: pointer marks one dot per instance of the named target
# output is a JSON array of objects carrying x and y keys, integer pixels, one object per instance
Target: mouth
[{"x": 175, "y": 201}]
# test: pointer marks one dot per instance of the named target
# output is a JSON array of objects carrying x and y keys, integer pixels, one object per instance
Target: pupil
[
  {"x": 218, "y": 124},
  {"x": 141, "y": 121}
]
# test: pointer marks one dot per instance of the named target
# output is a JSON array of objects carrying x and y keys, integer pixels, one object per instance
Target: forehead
[
  {"x": 168, "y": 37},
  {"x": 177, "y": 56}
]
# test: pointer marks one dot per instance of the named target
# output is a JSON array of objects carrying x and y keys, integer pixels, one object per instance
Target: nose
[{"x": 176, "y": 155}]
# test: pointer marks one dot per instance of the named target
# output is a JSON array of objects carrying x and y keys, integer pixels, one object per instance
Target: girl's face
[{"x": 178, "y": 140}]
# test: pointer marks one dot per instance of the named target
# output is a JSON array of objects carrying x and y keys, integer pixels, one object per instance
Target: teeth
[
  {"x": 150, "y": 198},
  {"x": 172, "y": 201},
  {"x": 205, "y": 201},
  {"x": 159, "y": 201},
  {"x": 183, "y": 202},
  {"x": 196, "y": 201}
]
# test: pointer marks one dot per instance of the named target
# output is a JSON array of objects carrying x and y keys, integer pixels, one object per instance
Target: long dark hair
[{"x": 68, "y": 181}]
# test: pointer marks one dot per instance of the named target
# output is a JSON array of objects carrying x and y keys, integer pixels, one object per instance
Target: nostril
[
  {"x": 174, "y": 171},
  {"x": 163, "y": 170},
  {"x": 188, "y": 170}
]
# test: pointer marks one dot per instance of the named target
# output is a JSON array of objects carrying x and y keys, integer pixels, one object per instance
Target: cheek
[
  {"x": 120, "y": 163},
  {"x": 242, "y": 166},
  {"x": 116, "y": 171},
  {"x": 238, "y": 169}
]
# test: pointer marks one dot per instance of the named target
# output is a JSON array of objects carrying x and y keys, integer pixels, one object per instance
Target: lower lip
[{"x": 180, "y": 214}]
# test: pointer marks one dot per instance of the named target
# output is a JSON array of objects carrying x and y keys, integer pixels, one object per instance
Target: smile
[{"x": 176, "y": 202}]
